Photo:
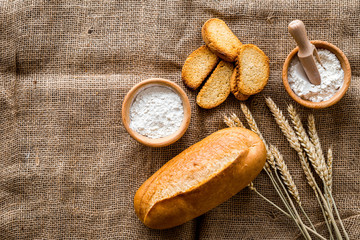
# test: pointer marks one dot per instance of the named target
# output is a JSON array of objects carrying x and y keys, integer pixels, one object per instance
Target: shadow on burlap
[{"x": 69, "y": 170}]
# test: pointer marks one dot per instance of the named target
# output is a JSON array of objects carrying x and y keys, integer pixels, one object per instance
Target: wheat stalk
[{"x": 252, "y": 187}]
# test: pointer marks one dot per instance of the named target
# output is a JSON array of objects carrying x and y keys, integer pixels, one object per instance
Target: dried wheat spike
[
  {"x": 253, "y": 126},
  {"x": 316, "y": 143},
  {"x": 329, "y": 176},
  {"x": 249, "y": 118},
  {"x": 306, "y": 167},
  {"x": 229, "y": 122},
  {"x": 305, "y": 142},
  {"x": 284, "y": 124},
  {"x": 285, "y": 174},
  {"x": 236, "y": 120},
  {"x": 330, "y": 170}
]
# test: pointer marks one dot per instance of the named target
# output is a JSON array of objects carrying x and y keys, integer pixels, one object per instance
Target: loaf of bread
[
  {"x": 217, "y": 88},
  {"x": 200, "y": 178},
  {"x": 220, "y": 39},
  {"x": 234, "y": 89},
  {"x": 252, "y": 70},
  {"x": 198, "y": 65}
]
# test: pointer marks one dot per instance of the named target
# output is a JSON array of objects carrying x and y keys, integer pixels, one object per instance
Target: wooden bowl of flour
[
  {"x": 139, "y": 89},
  {"x": 345, "y": 65}
]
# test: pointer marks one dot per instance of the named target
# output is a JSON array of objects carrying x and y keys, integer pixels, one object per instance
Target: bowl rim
[
  {"x": 345, "y": 65},
  {"x": 156, "y": 142}
]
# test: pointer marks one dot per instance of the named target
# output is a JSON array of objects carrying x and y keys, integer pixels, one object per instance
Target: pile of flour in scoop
[
  {"x": 331, "y": 73},
  {"x": 156, "y": 112}
]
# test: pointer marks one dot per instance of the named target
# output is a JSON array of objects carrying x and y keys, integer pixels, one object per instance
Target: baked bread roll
[
  {"x": 200, "y": 178},
  {"x": 252, "y": 66},
  {"x": 217, "y": 88},
  {"x": 220, "y": 39},
  {"x": 234, "y": 89},
  {"x": 198, "y": 65}
]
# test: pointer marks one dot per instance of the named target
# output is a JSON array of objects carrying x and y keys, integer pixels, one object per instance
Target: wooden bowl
[
  {"x": 338, "y": 95},
  {"x": 157, "y": 142}
]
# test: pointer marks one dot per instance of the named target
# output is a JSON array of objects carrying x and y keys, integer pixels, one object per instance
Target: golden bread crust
[{"x": 200, "y": 178}]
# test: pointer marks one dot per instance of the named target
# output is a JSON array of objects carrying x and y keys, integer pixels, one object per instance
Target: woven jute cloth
[{"x": 69, "y": 169}]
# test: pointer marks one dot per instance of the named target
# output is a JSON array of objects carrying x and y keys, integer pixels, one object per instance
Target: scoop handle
[{"x": 298, "y": 32}]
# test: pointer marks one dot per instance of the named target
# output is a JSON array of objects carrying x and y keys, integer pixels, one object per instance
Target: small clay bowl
[
  {"x": 158, "y": 142},
  {"x": 338, "y": 95}
]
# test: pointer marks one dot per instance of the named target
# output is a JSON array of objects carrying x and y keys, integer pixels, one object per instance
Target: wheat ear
[
  {"x": 236, "y": 120},
  {"x": 229, "y": 122},
  {"x": 329, "y": 177},
  {"x": 285, "y": 174},
  {"x": 330, "y": 170},
  {"x": 306, "y": 143},
  {"x": 253, "y": 126},
  {"x": 316, "y": 143}
]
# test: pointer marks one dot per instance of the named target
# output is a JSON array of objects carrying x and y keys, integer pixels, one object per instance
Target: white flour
[
  {"x": 332, "y": 78},
  {"x": 156, "y": 112}
]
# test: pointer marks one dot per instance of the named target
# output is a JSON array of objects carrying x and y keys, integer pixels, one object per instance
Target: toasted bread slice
[
  {"x": 252, "y": 69},
  {"x": 220, "y": 39},
  {"x": 217, "y": 88},
  {"x": 198, "y": 65},
  {"x": 234, "y": 89}
]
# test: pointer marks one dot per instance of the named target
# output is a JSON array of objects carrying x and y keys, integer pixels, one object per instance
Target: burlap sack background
[{"x": 69, "y": 170}]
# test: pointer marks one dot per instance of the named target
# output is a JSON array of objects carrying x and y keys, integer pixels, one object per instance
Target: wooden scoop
[{"x": 307, "y": 51}]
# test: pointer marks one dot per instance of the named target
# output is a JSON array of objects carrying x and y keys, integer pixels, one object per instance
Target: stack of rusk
[{"x": 226, "y": 64}]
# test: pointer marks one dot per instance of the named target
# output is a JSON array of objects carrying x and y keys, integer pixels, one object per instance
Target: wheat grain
[
  {"x": 305, "y": 142},
  {"x": 285, "y": 174}
]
